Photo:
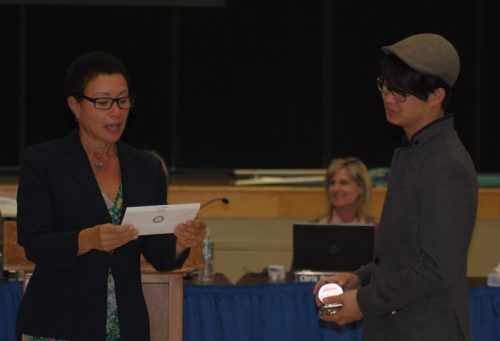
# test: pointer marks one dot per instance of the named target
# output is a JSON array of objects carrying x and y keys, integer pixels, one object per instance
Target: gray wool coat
[{"x": 415, "y": 289}]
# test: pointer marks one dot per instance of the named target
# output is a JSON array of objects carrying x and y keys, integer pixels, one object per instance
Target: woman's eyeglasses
[{"x": 105, "y": 103}]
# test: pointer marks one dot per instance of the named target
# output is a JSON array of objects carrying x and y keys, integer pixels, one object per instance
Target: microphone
[{"x": 225, "y": 201}]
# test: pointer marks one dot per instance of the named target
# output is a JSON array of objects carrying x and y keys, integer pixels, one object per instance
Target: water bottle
[{"x": 207, "y": 248}]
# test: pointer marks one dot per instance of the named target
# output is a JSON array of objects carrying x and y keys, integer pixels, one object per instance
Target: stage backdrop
[{"x": 248, "y": 84}]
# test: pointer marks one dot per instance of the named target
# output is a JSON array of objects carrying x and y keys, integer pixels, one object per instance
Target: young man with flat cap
[{"x": 415, "y": 288}]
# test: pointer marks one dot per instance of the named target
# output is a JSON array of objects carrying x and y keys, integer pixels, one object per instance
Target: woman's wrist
[
  {"x": 179, "y": 249},
  {"x": 85, "y": 241}
]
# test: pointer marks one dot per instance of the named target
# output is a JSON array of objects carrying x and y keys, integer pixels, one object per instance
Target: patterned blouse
[{"x": 112, "y": 322}]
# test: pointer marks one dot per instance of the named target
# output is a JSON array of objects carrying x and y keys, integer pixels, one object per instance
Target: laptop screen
[{"x": 332, "y": 247}]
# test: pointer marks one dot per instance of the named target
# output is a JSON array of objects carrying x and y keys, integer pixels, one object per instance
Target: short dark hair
[
  {"x": 87, "y": 67},
  {"x": 401, "y": 78}
]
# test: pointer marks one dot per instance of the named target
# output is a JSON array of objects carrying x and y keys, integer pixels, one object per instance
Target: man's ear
[
  {"x": 438, "y": 96},
  {"x": 74, "y": 105}
]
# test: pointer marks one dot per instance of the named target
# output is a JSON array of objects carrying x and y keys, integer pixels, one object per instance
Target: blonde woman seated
[{"x": 348, "y": 189}]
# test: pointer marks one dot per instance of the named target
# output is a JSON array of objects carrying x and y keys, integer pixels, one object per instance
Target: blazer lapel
[
  {"x": 77, "y": 163},
  {"x": 130, "y": 182}
]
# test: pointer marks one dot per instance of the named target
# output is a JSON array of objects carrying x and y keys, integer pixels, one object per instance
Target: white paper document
[{"x": 159, "y": 219}]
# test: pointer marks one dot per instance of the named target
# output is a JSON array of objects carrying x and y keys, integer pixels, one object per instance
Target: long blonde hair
[{"x": 359, "y": 173}]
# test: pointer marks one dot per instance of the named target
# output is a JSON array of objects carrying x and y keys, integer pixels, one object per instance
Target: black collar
[{"x": 415, "y": 140}]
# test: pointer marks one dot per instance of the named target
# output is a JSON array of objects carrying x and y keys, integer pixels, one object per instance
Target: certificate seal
[{"x": 158, "y": 219}]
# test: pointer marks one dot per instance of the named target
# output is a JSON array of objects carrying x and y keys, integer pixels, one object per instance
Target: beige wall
[
  {"x": 484, "y": 250},
  {"x": 250, "y": 244},
  {"x": 255, "y": 230}
]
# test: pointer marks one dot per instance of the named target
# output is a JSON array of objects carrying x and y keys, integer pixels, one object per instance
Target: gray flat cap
[{"x": 428, "y": 53}]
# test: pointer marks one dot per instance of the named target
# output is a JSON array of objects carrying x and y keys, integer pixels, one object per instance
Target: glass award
[{"x": 328, "y": 290}]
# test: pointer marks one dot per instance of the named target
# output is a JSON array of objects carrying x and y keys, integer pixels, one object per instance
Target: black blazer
[{"x": 58, "y": 196}]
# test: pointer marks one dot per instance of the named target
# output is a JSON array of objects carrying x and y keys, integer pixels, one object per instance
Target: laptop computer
[{"x": 332, "y": 248}]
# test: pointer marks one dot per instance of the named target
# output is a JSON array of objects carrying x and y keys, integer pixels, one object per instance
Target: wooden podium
[
  {"x": 163, "y": 291},
  {"x": 164, "y": 295}
]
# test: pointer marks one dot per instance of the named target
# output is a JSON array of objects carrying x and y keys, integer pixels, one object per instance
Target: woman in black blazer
[{"x": 71, "y": 198}]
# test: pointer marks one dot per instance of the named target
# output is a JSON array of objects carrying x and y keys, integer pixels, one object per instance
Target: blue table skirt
[
  {"x": 258, "y": 312},
  {"x": 484, "y": 308},
  {"x": 287, "y": 312},
  {"x": 10, "y": 296},
  {"x": 267, "y": 312}
]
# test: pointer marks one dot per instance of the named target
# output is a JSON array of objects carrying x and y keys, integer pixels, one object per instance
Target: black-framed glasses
[
  {"x": 105, "y": 103},
  {"x": 399, "y": 96}
]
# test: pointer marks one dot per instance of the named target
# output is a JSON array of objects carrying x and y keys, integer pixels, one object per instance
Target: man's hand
[
  {"x": 349, "y": 312},
  {"x": 346, "y": 280}
]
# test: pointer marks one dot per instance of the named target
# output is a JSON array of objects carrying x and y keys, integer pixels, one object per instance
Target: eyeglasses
[
  {"x": 105, "y": 103},
  {"x": 399, "y": 96}
]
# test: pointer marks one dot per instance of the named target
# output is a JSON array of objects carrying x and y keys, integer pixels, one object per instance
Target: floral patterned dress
[{"x": 112, "y": 322}]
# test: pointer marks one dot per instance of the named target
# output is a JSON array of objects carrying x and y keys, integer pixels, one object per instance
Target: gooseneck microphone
[{"x": 225, "y": 201}]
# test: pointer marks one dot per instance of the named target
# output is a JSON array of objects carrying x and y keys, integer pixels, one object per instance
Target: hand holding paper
[
  {"x": 159, "y": 219},
  {"x": 190, "y": 234}
]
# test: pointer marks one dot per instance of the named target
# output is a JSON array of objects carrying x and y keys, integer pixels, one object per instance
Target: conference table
[{"x": 269, "y": 311}]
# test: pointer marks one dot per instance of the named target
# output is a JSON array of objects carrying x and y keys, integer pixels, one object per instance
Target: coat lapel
[
  {"x": 77, "y": 163},
  {"x": 130, "y": 182}
]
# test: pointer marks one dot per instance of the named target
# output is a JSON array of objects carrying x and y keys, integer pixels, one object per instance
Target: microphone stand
[{"x": 225, "y": 201}]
